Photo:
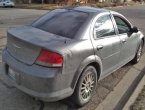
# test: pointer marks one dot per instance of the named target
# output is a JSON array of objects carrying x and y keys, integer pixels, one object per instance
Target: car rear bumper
[
  {"x": 47, "y": 84},
  {"x": 49, "y": 97}
]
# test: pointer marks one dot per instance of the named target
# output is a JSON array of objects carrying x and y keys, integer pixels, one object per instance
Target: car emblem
[{"x": 16, "y": 46}]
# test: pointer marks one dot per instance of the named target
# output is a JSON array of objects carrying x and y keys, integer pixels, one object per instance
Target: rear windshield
[{"x": 64, "y": 23}]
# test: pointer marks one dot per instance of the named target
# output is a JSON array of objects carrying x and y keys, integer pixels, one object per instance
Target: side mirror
[{"x": 134, "y": 29}]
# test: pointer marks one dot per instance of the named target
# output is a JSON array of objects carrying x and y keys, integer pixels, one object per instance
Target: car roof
[{"x": 88, "y": 9}]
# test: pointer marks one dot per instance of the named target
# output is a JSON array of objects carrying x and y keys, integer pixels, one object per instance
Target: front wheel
[
  {"x": 138, "y": 53},
  {"x": 85, "y": 86}
]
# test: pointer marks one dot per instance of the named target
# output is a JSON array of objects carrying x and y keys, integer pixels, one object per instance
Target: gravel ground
[{"x": 139, "y": 104}]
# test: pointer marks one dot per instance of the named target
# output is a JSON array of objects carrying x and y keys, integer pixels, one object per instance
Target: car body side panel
[
  {"x": 109, "y": 54},
  {"x": 128, "y": 49}
]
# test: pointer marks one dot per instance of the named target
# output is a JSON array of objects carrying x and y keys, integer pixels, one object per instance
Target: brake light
[{"x": 48, "y": 58}]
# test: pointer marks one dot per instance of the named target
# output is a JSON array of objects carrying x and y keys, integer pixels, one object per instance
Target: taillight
[{"x": 48, "y": 58}]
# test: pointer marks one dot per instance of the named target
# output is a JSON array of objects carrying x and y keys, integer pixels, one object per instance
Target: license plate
[{"x": 12, "y": 73}]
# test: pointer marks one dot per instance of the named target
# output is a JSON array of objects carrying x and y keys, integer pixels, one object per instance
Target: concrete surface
[{"x": 13, "y": 99}]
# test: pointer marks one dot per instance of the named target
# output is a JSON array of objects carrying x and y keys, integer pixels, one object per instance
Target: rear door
[
  {"x": 106, "y": 43},
  {"x": 129, "y": 40}
]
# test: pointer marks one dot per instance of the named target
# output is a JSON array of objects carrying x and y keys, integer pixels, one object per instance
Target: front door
[{"x": 129, "y": 40}]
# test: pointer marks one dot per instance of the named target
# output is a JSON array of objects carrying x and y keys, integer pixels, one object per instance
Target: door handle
[
  {"x": 123, "y": 40},
  {"x": 99, "y": 47}
]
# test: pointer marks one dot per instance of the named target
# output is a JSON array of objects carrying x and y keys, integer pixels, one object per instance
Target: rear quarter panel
[{"x": 77, "y": 55}]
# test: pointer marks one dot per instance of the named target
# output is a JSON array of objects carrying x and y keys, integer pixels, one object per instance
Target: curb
[
  {"x": 135, "y": 94},
  {"x": 129, "y": 93}
]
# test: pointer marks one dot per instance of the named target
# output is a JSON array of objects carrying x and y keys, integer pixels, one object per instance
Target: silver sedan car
[{"x": 67, "y": 51}]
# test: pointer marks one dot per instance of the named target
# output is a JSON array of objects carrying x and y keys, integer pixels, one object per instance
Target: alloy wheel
[{"x": 87, "y": 86}]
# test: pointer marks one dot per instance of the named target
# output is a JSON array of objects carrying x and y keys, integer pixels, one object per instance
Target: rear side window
[
  {"x": 64, "y": 23},
  {"x": 104, "y": 27}
]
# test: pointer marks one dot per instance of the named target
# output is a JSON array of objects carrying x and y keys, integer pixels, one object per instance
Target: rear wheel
[
  {"x": 85, "y": 87},
  {"x": 138, "y": 53}
]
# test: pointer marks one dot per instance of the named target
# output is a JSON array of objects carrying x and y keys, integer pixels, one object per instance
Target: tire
[
  {"x": 138, "y": 53},
  {"x": 85, "y": 87}
]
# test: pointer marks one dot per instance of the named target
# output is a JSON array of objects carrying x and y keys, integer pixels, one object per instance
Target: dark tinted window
[
  {"x": 104, "y": 27},
  {"x": 123, "y": 26},
  {"x": 65, "y": 23}
]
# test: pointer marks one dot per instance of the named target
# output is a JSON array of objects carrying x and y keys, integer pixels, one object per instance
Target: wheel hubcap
[{"x": 87, "y": 86}]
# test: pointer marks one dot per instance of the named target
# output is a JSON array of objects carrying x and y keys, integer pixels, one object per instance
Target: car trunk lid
[{"x": 25, "y": 43}]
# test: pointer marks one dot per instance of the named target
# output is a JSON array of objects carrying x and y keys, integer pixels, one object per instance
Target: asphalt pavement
[{"x": 13, "y": 99}]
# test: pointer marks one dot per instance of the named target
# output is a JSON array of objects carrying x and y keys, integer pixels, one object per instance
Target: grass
[
  {"x": 139, "y": 104},
  {"x": 54, "y": 6}
]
